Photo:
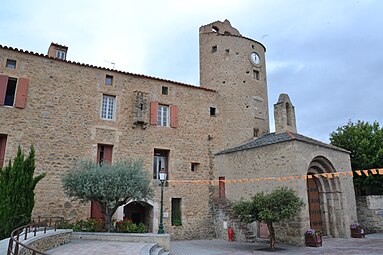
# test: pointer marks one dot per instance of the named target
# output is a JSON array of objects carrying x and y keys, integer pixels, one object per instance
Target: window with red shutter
[
  {"x": 3, "y": 88},
  {"x": 13, "y": 92},
  {"x": 153, "y": 113},
  {"x": 104, "y": 153},
  {"x": 21, "y": 95},
  {"x": 174, "y": 116}
]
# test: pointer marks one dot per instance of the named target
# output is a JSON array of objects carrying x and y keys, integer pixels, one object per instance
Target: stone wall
[
  {"x": 370, "y": 213},
  {"x": 162, "y": 240},
  {"x": 228, "y": 70},
  {"x": 47, "y": 241},
  {"x": 290, "y": 159},
  {"x": 62, "y": 120}
]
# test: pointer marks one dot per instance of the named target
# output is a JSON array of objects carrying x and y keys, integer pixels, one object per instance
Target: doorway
[{"x": 139, "y": 212}]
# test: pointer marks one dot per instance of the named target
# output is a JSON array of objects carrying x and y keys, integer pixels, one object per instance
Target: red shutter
[
  {"x": 153, "y": 113},
  {"x": 108, "y": 152},
  {"x": 98, "y": 153},
  {"x": 173, "y": 116},
  {"x": 3, "y": 87},
  {"x": 3, "y": 143},
  {"x": 95, "y": 211},
  {"x": 21, "y": 93}
]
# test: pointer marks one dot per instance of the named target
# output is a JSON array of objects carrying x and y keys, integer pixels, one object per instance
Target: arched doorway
[
  {"x": 324, "y": 198},
  {"x": 139, "y": 212},
  {"x": 314, "y": 205}
]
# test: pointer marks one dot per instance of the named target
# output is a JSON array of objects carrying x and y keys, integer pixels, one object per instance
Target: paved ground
[
  {"x": 372, "y": 244},
  {"x": 94, "y": 247}
]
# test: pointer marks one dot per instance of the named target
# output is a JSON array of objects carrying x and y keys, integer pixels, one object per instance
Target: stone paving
[
  {"x": 372, "y": 244},
  {"x": 94, "y": 247}
]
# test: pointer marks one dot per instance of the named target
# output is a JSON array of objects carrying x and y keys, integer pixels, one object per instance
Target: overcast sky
[{"x": 327, "y": 55}]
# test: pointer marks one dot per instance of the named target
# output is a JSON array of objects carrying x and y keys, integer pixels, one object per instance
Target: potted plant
[
  {"x": 356, "y": 231},
  {"x": 313, "y": 238}
]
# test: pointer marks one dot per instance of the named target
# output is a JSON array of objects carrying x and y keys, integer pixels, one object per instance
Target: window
[
  {"x": 213, "y": 111},
  {"x": 60, "y": 54},
  {"x": 256, "y": 74},
  {"x": 104, "y": 153},
  {"x": 160, "y": 162},
  {"x": 194, "y": 167},
  {"x": 163, "y": 115},
  {"x": 176, "y": 212},
  {"x": 109, "y": 80},
  {"x": 13, "y": 92},
  {"x": 11, "y": 64},
  {"x": 214, "y": 48},
  {"x": 108, "y": 107},
  {"x": 3, "y": 143},
  {"x": 165, "y": 90}
]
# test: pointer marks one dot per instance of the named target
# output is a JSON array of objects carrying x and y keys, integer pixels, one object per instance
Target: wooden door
[
  {"x": 221, "y": 187},
  {"x": 314, "y": 204}
]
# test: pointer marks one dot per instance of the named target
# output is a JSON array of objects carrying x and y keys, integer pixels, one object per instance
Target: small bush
[
  {"x": 127, "y": 226},
  {"x": 89, "y": 225},
  {"x": 65, "y": 225}
]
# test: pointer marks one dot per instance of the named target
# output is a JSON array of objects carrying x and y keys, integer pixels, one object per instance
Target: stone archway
[
  {"x": 325, "y": 198},
  {"x": 139, "y": 212}
]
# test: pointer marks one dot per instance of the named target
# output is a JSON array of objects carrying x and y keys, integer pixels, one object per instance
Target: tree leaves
[
  {"x": 270, "y": 208},
  {"x": 365, "y": 142},
  {"x": 17, "y": 186},
  {"x": 110, "y": 185}
]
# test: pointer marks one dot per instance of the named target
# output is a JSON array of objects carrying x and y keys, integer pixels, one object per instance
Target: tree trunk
[
  {"x": 108, "y": 219},
  {"x": 272, "y": 235}
]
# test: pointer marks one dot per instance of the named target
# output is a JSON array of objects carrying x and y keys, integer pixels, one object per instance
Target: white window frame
[
  {"x": 60, "y": 54},
  {"x": 163, "y": 114},
  {"x": 108, "y": 107}
]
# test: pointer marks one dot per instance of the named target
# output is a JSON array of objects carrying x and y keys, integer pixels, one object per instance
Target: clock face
[{"x": 254, "y": 57}]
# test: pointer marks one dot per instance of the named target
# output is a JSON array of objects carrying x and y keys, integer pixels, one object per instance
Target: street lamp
[{"x": 162, "y": 179}]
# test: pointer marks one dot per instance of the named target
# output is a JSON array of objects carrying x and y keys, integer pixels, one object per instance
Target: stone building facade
[{"x": 71, "y": 111}]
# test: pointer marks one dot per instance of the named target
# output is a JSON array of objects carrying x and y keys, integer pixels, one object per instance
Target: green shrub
[
  {"x": 127, "y": 226},
  {"x": 89, "y": 225}
]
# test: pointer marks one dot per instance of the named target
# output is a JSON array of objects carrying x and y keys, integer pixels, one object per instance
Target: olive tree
[
  {"x": 270, "y": 208},
  {"x": 111, "y": 185}
]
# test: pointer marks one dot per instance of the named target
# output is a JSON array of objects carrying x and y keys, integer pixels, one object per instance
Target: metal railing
[{"x": 39, "y": 224}]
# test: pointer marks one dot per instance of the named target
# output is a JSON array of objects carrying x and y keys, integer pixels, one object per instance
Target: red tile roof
[{"x": 104, "y": 68}]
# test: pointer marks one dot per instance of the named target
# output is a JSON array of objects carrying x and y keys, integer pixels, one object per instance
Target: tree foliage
[
  {"x": 270, "y": 208},
  {"x": 17, "y": 186},
  {"x": 109, "y": 185},
  {"x": 365, "y": 142}
]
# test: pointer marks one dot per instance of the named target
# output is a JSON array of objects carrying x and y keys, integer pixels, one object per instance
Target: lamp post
[{"x": 162, "y": 179}]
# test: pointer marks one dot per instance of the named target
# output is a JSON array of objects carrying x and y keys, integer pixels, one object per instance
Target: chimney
[
  {"x": 284, "y": 115},
  {"x": 57, "y": 51}
]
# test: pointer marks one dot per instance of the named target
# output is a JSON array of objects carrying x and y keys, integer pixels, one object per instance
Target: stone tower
[
  {"x": 235, "y": 67},
  {"x": 284, "y": 115}
]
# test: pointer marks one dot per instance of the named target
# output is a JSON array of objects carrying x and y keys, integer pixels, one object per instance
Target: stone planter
[{"x": 313, "y": 239}]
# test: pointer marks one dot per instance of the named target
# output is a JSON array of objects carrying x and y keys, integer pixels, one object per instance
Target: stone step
[{"x": 157, "y": 250}]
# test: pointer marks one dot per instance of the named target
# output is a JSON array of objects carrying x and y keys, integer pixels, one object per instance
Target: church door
[
  {"x": 314, "y": 205},
  {"x": 221, "y": 187}
]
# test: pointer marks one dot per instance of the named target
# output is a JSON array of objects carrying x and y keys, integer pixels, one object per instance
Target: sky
[{"x": 327, "y": 55}]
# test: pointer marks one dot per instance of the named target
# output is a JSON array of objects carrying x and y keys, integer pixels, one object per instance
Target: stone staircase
[
  {"x": 157, "y": 250},
  {"x": 224, "y": 213}
]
